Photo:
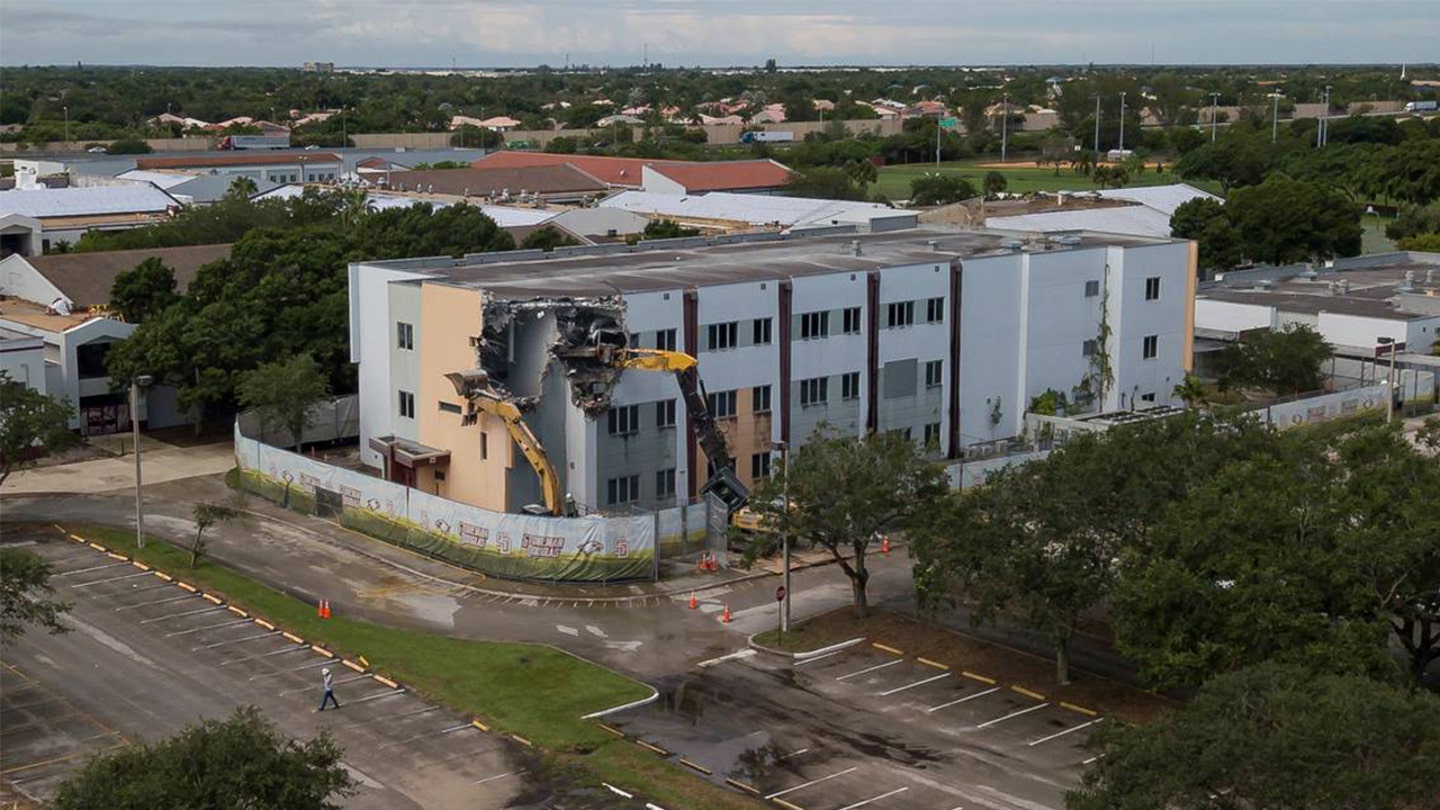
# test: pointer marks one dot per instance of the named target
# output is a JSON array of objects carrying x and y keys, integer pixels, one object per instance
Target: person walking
[{"x": 329, "y": 695}]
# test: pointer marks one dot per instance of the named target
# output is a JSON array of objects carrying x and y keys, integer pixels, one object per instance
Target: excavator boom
[{"x": 474, "y": 386}]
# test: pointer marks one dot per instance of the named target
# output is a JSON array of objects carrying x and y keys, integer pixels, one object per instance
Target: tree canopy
[
  {"x": 282, "y": 393},
  {"x": 25, "y": 594},
  {"x": 940, "y": 189},
  {"x": 1286, "y": 361},
  {"x": 30, "y": 422},
  {"x": 233, "y": 764},
  {"x": 147, "y": 290}
]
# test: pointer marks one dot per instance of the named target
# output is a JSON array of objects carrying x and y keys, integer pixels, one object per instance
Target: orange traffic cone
[
  {"x": 726, "y": 618},
  {"x": 320, "y": 608},
  {"x": 693, "y": 603},
  {"x": 885, "y": 544},
  {"x": 324, "y": 608}
]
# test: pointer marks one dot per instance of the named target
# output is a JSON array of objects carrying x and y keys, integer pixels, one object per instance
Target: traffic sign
[
  {"x": 949, "y": 123},
  {"x": 780, "y": 594}
]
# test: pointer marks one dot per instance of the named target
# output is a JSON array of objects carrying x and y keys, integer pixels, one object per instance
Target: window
[
  {"x": 761, "y": 328},
  {"x": 721, "y": 336},
  {"x": 405, "y": 335},
  {"x": 934, "y": 373},
  {"x": 1089, "y": 347},
  {"x": 760, "y": 399},
  {"x": 90, "y": 360},
  {"x": 484, "y": 445},
  {"x": 665, "y": 340},
  {"x": 850, "y": 320},
  {"x": 1152, "y": 288},
  {"x": 900, "y": 433},
  {"x": 633, "y": 341},
  {"x": 624, "y": 420},
  {"x": 449, "y": 407},
  {"x": 898, "y": 378},
  {"x": 722, "y": 404},
  {"x": 814, "y": 391},
  {"x": 625, "y": 489},
  {"x": 850, "y": 385},
  {"x": 665, "y": 413},
  {"x": 1092, "y": 289},
  {"x": 934, "y": 310},
  {"x": 407, "y": 405},
  {"x": 932, "y": 434},
  {"x": 759, "y": 466},
  {"x": 1150, "y": 397},
  {"x": 900, "y": 313},
  {"x": 665, "y": 483},
  {"x": 1152, "y": 347},
  {"x": 814, "y": 325}
]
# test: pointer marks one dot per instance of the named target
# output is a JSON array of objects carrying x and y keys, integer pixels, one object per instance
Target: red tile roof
[
  {"x": 697, "y": 177},
  {"x": 207, "y": 160}
]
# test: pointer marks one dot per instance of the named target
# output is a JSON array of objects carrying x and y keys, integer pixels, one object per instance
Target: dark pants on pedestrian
[{"x": 330, "y": 697}]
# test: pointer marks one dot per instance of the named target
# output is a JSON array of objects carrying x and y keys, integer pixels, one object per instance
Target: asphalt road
[{"x": 144, "y": 659}]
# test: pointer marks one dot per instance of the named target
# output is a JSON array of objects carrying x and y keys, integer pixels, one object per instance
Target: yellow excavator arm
[{"x": 475, "y": 387}]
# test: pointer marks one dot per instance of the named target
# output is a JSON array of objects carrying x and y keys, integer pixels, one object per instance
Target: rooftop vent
[{"x": 855, "y": 247}]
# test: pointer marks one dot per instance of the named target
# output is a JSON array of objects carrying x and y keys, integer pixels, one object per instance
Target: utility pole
[
  {"x": 1097, "y": 126},
  {"x": 67, "y": 126},
  {"x": 785, "y": 540},
  {"x": 1391, "y": 345},
  {"x": 937, "y": 143},
  {"x": 1275, "y": 116},
  {"x": 1214, "y": 114},
  {"x": 1122, "y": 122},
  {"x": 1004, "y": 124}
]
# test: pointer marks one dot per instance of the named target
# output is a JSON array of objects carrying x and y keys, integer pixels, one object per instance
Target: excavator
[{"x": 474, "y": 386}]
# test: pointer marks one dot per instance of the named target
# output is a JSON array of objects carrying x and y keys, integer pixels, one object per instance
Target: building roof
[
  {"x": 729, "y": 175},
  {"x": 486, "y": 181},
  {"x": 36, "y": 316},
  {"x": 207, "y": 188},
  {"x": 751, "y": 209},
  {"x": 1136, "y": 220},
  {"x": 686, "y": 263},
  {"x": 1161, "y": 198},
  {"x": 207, "y": 160},
  {"x": 505, "y": 216},
  {"x": 43, "y": 203},
  {"x": 86, "y": 278},
  {"x": 1372, "y": 288},
  {"x": 164, "y": 180}
]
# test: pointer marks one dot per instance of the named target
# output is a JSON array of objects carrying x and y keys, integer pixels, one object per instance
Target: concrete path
[{"x": 161, "y": 462}]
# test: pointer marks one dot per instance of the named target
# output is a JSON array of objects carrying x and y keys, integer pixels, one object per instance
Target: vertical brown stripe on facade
[
  {"x": 786, "y": 302},
  {"x": 690, "y": 339},
  {"x": 953, "y": 438},
  {"x": 872, "y": 351}
]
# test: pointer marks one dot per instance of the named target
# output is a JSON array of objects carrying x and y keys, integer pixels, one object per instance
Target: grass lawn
[
  {"x": 533, "y": 691},
  {"x": 797, "y": 639},
  {"x": 894, "y": 181}
]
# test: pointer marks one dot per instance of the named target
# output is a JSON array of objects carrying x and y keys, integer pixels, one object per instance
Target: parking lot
[
  {"x": 148, "y": 655},
  {"x": 867, "y": 726}
]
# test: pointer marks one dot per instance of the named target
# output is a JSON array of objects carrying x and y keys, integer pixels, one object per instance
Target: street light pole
[
  {"x": 1004, "y": 125},
  {"x": 67, "y": 126},
  {"x": 135, "y": 385},
  {"x": 1275, "y": 116},
  {"x": 1214, "y": 115},
  {"x": 1390, "y": 383},
  {"x": 1097, "y": 126},
  {"x": 1122, "y": 122},
  {"x": 785, "y": 540}
]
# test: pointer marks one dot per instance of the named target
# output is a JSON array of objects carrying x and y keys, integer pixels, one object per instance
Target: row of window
[
  {"x": 625, "y": 489},
  {"x": 1152, "y": 288},
  {"x": 815, "y": 325}
]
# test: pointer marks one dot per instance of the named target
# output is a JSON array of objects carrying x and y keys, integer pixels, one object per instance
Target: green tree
[
  {"x": 1107, "y": 176},
  {"x": 547, "y": 238},
  {"x": 846, "y": 492},
  {"x": 1414, "y": 220},
  {"x": 995, "y": 183},
  {"x": 232, "y": 764},
  {"x": 242, "y": 188},
  {"x": 282, "y": 393},
  {"x": 207, "y": 515},
  {"x": 1285, "y": 361},
  {"x": 1205, "y": 221},
  {"x": 25, "y": 594},
  {"x": 862, "y": 172},
  {"x": 1273, "y": 738},
  {"x": 1424, "y": 243},
  {"x": 1281, "y": 221},
  {"x": 1236, "y": 160},
  {"x": 940, "y": 189},
  {"x": 29, "y": 422},
  {"x": 824, "y": 182},
  {"x": 143, "y": 292},
  {"x": 128, "y": 146},
  {"x": 1190, "y": 391}
]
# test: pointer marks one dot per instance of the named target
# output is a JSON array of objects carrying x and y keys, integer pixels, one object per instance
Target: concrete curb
[
  {"x": 802, "y": 656},
  {"x": 634, "y": 704}
]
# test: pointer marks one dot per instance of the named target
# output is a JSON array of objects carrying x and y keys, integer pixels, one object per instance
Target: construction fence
[{"x": 599, "y": 549}]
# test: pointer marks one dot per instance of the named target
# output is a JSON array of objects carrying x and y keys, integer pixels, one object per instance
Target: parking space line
[
  {"x": 310, "y": 665},
  {"x": 1092, "y": 759},
  {"x": 87, "y": 570},
  {"x": 263, "y": 655},
  {"x": 108, "y": 579},
  {"x": 787, "y": 805},
  {"x": 382, "y": 695},
  {"x": 817, "y": 658},
  {"x": 795, "y": 753},
  {"x": 65, "y": 758},
  {"x": 202, "y": 628},
  {"x": 872, "y": 669},
  {"x": 497, "y": 777},
  {"x": 169, "y": 616},
  {"x": 450, "y": 730},
  {"x": 934, "y": 709},
  {"x": 1062, "y": 733},
  {"x": 166, "y": 600},
  {"x": 990, "y": 723},
  {"x": 392, "y": 717},
  {"x": 921, "y": 682},
  {"x": 876, "y": 799},
  {"x": 813, "y": 782},
  {"x": 233, "y": 641}
]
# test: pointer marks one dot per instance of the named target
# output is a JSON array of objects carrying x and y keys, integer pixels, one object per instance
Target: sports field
[{"x": 1023, "y": 177}]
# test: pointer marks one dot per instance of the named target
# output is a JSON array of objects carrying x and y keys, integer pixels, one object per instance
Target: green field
[
  {"x": 894, "y": 181},
  {"x": 533, "y": 691}
]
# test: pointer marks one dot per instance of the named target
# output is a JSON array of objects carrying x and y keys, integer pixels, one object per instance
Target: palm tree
[
  {"x": 1190, "y": 391},
  {"x": 242, "y": 188}
]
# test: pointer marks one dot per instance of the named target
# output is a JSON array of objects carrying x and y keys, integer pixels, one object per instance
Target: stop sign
[{"x": 780, "y": 594}]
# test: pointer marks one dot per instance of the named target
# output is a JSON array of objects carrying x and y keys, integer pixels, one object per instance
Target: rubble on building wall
[{"x": 582, "y": 333}]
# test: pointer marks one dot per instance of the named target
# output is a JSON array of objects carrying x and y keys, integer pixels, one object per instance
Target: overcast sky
[{"x": 416, "y": 33}]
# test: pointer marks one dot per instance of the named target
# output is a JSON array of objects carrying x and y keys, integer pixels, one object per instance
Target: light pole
[
  {"x": 1390, "y": 385},
  {"x": 1122, "y": 122},
  {"x": 142, "y": 381},
  {"x": 785, "y": 539},
  {"x": 67, "y": 126},
  {"x": 1214, "y": 114},
  {"x": 1097, "y": 126},
  {"x": 1004, "y": 124},
  {"x": 1275, "y": 116}
]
